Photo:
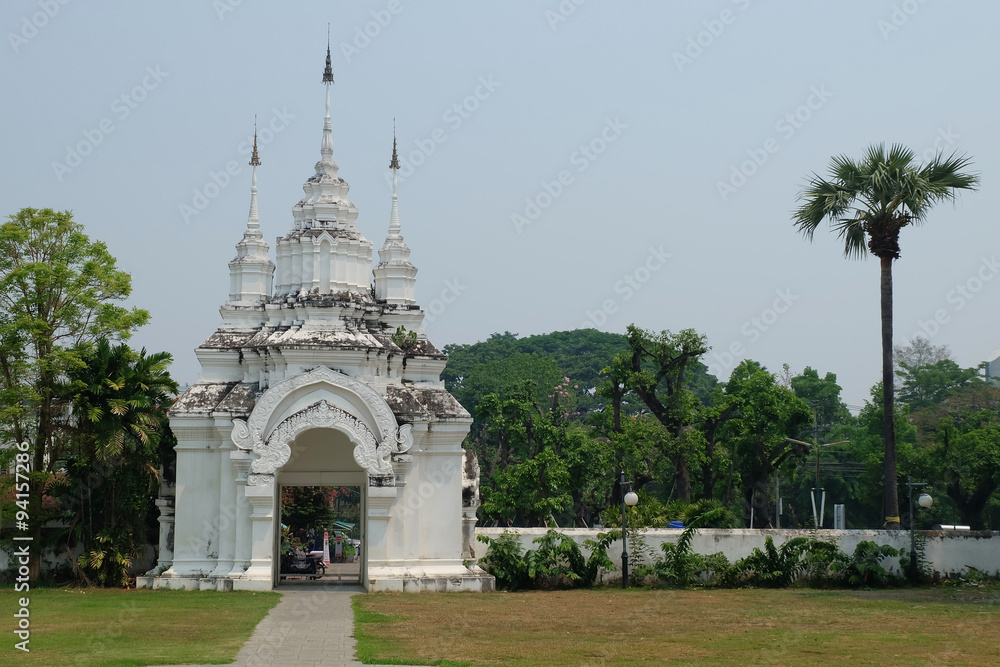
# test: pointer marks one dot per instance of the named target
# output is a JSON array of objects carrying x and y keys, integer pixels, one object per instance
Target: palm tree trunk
[{"x": 890, "y": 497}]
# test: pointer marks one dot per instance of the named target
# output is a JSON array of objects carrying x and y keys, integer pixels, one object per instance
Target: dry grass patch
[{"x": 610, "y": 626}]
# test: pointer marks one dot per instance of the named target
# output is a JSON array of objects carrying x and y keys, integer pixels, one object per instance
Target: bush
[
  {"x": 680, "y": 564},
  {"x": 774, "y": 567},
  {"x": 864, "y": 567},
  {"x": 504, "y": 560},
  {"x": 557, "y": 562}
]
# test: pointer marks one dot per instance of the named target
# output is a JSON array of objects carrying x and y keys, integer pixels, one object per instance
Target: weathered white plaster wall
[{"x": 947, "y": 552}]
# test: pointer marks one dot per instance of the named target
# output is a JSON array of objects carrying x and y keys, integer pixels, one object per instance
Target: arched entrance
[
  {"x": 321, "y": 470},
  {"x": 344, "y": 415}
]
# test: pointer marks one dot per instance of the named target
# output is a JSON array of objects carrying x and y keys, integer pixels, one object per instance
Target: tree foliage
[{"x": 59, "y": 291}]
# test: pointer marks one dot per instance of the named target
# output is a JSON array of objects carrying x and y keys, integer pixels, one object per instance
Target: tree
[
  {"x": 868, "y": 203},
  {"x": 121, "y": 437},
  {"x": 579, "y": 355},
  {"x": 659, "y": 367},
  {"x": 57, "y": 291},
  {"x": 767, "y": 414},
  {"x": 919, "y": 352},
  {"x": 960, "y": 437},
  {"x": 929, "y": 384},
  {"x": 968, "y": 454},
  {"x": 824, "y": 395}
]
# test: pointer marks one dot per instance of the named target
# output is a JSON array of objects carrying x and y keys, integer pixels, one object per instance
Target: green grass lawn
[
  {"x": 693, "y": 627},
  {"x": 73, "y": 626}
]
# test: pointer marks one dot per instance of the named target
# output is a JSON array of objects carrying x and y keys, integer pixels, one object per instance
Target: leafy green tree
[
  {"x": 868, "y": 203},
  {"x": 968, "y": 454},
  {"x": 824, "y": 395},
  {"x": 58, "y": 290},
  {"x": 930, "y": 384},
  {"x": 958, "y": 443},
  {"x": 478, "y": 369},
  {"x": 658, "y": 372},
  {"x": 767, "y": 415}
]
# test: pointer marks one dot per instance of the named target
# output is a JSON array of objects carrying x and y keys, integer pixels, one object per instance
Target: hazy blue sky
[{"x": 564, "y": 162}]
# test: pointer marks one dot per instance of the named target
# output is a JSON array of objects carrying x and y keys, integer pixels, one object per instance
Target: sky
[{"x": 564, "y": 163}]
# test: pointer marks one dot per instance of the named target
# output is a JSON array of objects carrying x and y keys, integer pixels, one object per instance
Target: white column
[
  {"x": 166, "y": 519},
  {"x": 380, "y": 501},
  {"x": 227, "y": 507},
  {"x": 261, "y": 499},
  {"x": 244, "y": 533},
  {"x": 195, "y": 508}
]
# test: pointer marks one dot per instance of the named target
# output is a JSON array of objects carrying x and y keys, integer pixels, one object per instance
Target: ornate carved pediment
[{"x": 371, "y": 451}]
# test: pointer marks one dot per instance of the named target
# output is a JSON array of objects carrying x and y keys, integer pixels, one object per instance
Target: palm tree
[
  {"x": 120, "y": 398},
  {"x": 868, "y": 202}
]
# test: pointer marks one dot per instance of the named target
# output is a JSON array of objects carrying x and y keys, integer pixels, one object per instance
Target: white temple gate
[{"x": 318, "y": 380}]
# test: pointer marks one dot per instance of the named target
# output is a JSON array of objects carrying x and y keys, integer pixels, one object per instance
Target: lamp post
[
  {"x": 924, "y": 501},
  {"x": 629, "y": 499}
]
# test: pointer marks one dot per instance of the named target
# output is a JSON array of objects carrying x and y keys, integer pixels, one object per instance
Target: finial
[
  {"x": 328, "y": 72},
  {"x": 395, "y": 159},
  {"x": 254, "y": 158}
]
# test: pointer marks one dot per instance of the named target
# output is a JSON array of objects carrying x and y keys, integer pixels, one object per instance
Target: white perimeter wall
[{"x": 947, "y": 552}]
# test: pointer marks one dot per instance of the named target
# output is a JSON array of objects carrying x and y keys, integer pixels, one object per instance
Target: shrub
[
  {"x": 864, "y": 567},
  {"x": 504, "y": 560},
  {"x": 557, "y": 562},
  {"x": 774, "y": 567}
]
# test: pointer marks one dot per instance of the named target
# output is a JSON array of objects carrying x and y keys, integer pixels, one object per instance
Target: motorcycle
[{"x": 299, "y": 562}]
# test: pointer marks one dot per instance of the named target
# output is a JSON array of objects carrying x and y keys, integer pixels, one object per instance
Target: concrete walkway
[{"x": 311, "y": 626}]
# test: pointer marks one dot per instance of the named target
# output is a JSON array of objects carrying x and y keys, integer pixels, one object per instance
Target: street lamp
[
  {"x": 924, "y": 501},
  {"x": 631, "y": 499}
]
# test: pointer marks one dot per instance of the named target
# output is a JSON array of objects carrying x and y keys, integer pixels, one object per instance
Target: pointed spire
[
  {"x": 326, "y": 148},
  {"x": 254, "y": 158},
  {"x": 328, "y": 72},
  {"x": 394, "y": 164},
  {"x": 253, "y": 222},
  {"x": 394, "y": 227}
]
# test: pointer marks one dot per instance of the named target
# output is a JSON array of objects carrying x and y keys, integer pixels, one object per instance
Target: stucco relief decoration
[
  {"x": 404, "y": 439},
  {"x": 369, "y": 454},
  {"x": 372, "y": 454}
]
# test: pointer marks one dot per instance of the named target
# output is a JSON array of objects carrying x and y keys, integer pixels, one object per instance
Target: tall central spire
[{"x": 326, "y": 150}]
